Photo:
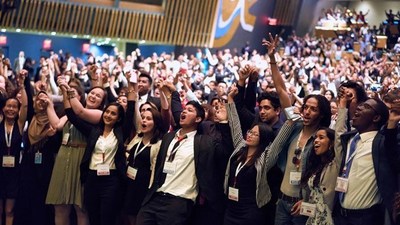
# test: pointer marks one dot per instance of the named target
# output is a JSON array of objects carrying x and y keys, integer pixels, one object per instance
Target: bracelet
[
  {"x": 71, "y": 94},
  {"x": 130, "y": 91}
]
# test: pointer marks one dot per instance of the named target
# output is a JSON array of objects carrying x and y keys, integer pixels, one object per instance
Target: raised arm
[
  {"x": 55, "y": 122},
  {"x": 276, "y": 76},
  {"x": 341, "y": 126},
  {"x": 234, "y": 122},
  {"x": 90, "y": 115},
  {"x": 23, "y": 112},
  {"x": 276, "y": 147}
]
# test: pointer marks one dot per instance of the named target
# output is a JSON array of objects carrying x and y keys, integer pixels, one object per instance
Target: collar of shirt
[
  {"x": 367, "y": 136},
  {"x": 189, "y": 135},
  {"x": 143, "y": 98}
]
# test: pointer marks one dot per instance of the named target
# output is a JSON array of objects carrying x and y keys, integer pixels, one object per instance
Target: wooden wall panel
[{"x": 179, "y": 22}]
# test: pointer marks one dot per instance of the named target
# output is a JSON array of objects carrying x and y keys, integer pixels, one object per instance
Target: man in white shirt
[
  {"x": 186, "y": 171},
  {"x": 367, "y": 176}
]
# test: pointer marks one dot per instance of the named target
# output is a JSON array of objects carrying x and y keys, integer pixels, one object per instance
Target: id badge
[
  {"x": 342, "y": 184},
  {"x": 169, "y": 168},
  {"x": 295, "y": 178},
  {"x": 103, "y": 170},
  {"x": 233, "y": 194},
  {"x": 8, "y": 161},
  {"x": 131, "y": 172},
  {"x": 308, "y": 209},
  {"x": 65, "y": 139},
  {"x": 38, "y": 158}
]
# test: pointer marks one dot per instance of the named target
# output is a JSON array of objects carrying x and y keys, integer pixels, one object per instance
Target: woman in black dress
[
  {"x": 143, "y": 150},
  {"x": 11, "y": 130}
]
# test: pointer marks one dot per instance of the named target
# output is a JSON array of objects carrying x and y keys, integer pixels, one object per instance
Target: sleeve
[
  {"x": 251, "y": 98},
  {"x": 128, "y": 121},
  {"x": 176, "y": 107},
  {"x": 234, "y": 123},
  {"x": 83, "y": 126},
  {"x": 277, "y": 145},
  {"x": 340, "y": 128}
]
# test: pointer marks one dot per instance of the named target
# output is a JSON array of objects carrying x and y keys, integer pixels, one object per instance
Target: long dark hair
[
  {"x": 315, "y": 163},
  {"x": 324, "y": 107},
  {"x": 158, "y": 130},
  {"x": 266, "y": 136}
]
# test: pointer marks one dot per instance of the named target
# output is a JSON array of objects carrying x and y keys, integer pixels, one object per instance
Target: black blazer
[
  {"x": 210, "y": 155},
  {"x": 92, "y": 133},
  {"x": 385, "y": 151}
]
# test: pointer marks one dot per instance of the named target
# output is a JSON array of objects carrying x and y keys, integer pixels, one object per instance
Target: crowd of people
[{"x": 307, "y": 135}]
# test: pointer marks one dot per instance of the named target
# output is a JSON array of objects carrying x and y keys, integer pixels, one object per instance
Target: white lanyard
[
  {"x": 8, "y": 137},
  {"x": 240, "y": 167},
  {"x": 138, "y": 151}
]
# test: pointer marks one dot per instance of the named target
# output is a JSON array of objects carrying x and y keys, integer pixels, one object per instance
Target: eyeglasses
[
  {"x": 297, "y": 157},
  {"x": 252, "y": 133},
  {"x": 368, "y": 107}
]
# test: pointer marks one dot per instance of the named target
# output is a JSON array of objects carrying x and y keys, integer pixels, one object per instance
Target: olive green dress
[{"x": 65, "y": 186}]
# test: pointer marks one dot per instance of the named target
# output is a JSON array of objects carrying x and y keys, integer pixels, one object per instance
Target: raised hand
[
  {"x": 220, "y": 112},
  {"x": 232, "y": 93},
  {"x": 244, "y": 73},
  {"x": 272, "y": 44}
]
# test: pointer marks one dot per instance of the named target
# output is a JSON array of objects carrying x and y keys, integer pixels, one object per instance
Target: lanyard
[
  {"x": 238, "y": 169},
  {"x": 138, "y": 151},
  {"x": 175, "y": 148},
  {"x": 8, "y": 137}
]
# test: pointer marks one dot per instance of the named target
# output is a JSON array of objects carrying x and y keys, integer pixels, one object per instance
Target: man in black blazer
[
  {"x": 368, "y": 179},
  {"x": 186, "y": 172},
  {"x": 144, "y": 88}
]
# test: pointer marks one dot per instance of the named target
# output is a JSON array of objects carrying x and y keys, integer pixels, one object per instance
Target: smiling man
[
  {"x": 186, "y": 166},
  {"x": 316, "y": 112}
]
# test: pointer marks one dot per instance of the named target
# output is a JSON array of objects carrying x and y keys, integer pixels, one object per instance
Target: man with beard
[{"x": 144, "y": 89}]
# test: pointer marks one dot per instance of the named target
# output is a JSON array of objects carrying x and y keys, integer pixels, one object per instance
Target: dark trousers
[
  {"x": 102, "y": 198},
  {"x": 165, "y": 209},
  {"x": 205, "y": 215},
  {"x": 372, "y": 216}
]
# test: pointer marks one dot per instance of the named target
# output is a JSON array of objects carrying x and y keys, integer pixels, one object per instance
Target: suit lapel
[
  {"x": 197, "y": 143},
  {"x": 160, "y": 176}
]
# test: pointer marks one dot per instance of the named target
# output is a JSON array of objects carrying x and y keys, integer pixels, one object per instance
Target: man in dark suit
[
  {"x": 368, "y": 179},
  {"x": 144, "y": 88},
  {"x": 186, "y": 172}
]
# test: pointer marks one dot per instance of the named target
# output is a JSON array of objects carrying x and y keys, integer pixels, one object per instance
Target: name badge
[
  {"x": 342, "y": 184},
  {"x": 131, "y": 172},
  {"x": 38, "y": 158},
  {"x": 233, "y": 194},
  {"x": 8, "y": 161},
  {"x": 295, "y": 178},
  {"x": 169, "y": 167},
  {"x": 103, "y": 170},
  {"x": 65, "y": 139},
  {"x": 308, "y": 209}
]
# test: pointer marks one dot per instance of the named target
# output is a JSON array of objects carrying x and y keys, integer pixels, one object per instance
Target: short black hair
[
  {"x": 382, "y": 111},
  {"x": 199, "y": 109},
  {"x": 360, "y": 91},
  {"x": 272, "y": 96},
  {"x": 145, "y": 74}
]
